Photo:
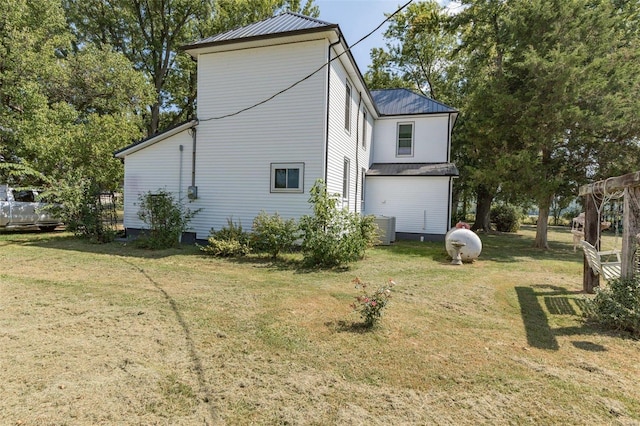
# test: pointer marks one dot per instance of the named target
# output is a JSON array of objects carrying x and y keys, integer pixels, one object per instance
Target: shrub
[
  {"x": 333, "y": 236},
  {"x": 618, "y": 306},
  {"x": 76, "y": 201},
  {"x": 230, "y": 241},
  {"x": 165, "y": 217},
  {"x": 370, "y": 306},
  {"x": 505, "y": 217},
  {"x": 273, "y": 234}
]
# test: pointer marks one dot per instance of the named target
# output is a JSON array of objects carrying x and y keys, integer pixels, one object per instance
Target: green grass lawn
[{"x": 111, "y": 334}]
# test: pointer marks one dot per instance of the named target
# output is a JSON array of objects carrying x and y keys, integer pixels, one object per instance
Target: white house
[{"x": 281, "y": 103}]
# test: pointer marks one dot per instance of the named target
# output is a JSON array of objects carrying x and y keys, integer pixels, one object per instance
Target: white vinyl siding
[
  {"x": 343, "y": 145},
  {"x": 234, "y": 154},
  {"x": 419, "y": 203},
  {"x": 430, "y": 139},
  {"x": 159, "y": 166}
]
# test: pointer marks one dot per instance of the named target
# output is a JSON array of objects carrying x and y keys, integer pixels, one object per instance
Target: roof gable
[
  {"x": 275, "y": 26},
  {"x": 406, "y": 102}
]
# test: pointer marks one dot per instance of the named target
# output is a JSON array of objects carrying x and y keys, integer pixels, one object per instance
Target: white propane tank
[{"x": 472, "y": 244}]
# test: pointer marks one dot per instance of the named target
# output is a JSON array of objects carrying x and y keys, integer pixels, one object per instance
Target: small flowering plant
[{"x": 370, "y": 305}]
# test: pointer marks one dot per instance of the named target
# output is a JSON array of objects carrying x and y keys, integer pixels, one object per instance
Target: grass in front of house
[{"x": 113, "y": 334}]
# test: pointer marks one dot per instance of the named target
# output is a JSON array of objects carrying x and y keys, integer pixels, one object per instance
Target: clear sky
[{"x": 357, "y": 18}]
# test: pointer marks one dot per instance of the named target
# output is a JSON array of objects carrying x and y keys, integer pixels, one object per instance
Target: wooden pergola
[{"x": 630, "y": 185}]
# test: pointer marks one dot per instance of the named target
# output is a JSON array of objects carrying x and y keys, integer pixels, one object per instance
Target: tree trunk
[
  {"x": 483, "y": 209},
  {"x": 542, "y": 224}
]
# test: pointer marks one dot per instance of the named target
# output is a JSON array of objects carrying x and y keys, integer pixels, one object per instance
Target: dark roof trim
[
  {"x": 150, "y": 140},
  {"x": 284, "y": 24},
  {"x": 256, "y": 38},
  {"x": 412, "y": 169}
]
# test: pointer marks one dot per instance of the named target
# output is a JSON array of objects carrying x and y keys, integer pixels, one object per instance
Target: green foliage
[
  {"x": 618, "y": 305},
  {"x": 165, "y": 217},
  {"x": 506, "y": 217},
  {"x": 273, "y": 234},
  {"x": 333, "y": 236},
  {"x": 230, "y": 241},
  {"x": 370, "y": 306},
  {"x": 76, "y": 201}
]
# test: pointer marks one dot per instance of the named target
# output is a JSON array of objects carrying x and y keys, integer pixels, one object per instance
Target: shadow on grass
[
  {"x": 60, "y": 240},
  {"x": 197, "y": 365},
  {"x": 557, "y": 301},
  {"x": 350, "y": 327}
]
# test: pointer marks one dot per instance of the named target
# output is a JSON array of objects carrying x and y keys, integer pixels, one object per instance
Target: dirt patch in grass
[{"x": 114, "y": 335}]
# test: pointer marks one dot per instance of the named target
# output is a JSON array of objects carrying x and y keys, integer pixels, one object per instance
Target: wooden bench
[{"x": 608, "y": 270}]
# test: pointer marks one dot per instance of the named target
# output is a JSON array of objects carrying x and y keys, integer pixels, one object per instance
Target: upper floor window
[
  {"x": 364, "y": 128},
  {"x": 287, "y": 177},
  {"x": 405, "y": 139},
  {"x": 347, "y": 108}
]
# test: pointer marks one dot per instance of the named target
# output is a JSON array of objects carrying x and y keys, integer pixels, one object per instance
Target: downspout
[
  {"x": 355, "y": 201},
  {"x": 193, "y": 156},
  {"x": 326, "y": 145}
]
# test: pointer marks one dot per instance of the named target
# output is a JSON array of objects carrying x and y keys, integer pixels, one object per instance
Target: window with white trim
[
  {"x": 404, "y": 147},
  {"x": 364, "y": 128},
  {"x": 345, "y": 178},
  {"x": 347, "y": 107},
  {"x": 363, "y": 173},
  {"x": 287, "y": 177}
]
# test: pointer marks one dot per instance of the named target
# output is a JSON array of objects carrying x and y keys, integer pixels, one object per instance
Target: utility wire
[{"x": 312, "y": 74}]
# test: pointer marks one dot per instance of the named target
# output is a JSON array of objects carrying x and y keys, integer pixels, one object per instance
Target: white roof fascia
[{"x": 155, "y": 139}]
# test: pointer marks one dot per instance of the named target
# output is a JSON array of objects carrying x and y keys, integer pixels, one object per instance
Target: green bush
[
  {"x": 165, "y": 217},
  {"x": 76, "y": 201},
  {"x": 618, "y": 306},
  {"x": 505, "y": 217},
  {"x": 272, "y": 234},
  {"x": 230, "y": 241},
  {"x": 333, "y": 236}
]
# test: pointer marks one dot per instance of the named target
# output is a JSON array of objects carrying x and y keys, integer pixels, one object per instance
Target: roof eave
[
  {"x": 137, "y": 146},
  {"x": 192, "y": 49}
]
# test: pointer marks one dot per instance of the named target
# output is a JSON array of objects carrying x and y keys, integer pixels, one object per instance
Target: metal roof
[
  {"x": 405, "y": 102},
  {"x": 287, "y": 22},
  {"x": 156, "y": 137},
  {"x": 413, "y": 169}
]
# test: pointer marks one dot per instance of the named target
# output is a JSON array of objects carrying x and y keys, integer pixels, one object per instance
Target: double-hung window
[
  {"x": 404, "y": 146},
  {"x": 287, "y": 177},
  {"x": 345, "y": 178},
  {"x": 364, "y": 129},
  {"x": 347, "y": 107}
]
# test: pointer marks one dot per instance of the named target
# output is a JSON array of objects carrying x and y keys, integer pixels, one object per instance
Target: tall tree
[
  {"x": 61, "y": 109},
  {"x": 149, "y": 34}
]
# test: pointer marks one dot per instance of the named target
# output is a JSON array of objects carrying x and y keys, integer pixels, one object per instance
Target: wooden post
[
  {"x": 591, "y": 225},
  {"x": 631, "y": 228}
]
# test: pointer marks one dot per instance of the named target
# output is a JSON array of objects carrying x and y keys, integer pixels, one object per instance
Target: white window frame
[
  {"x": 288, "y": 166},
  {"x": 364, "y": 128},
  {"x": 347, "y": 107},
  {"x": 413, "y": 129},
  {"x": 363, "y": 174},
  {"x": 346, "y": 178}
]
